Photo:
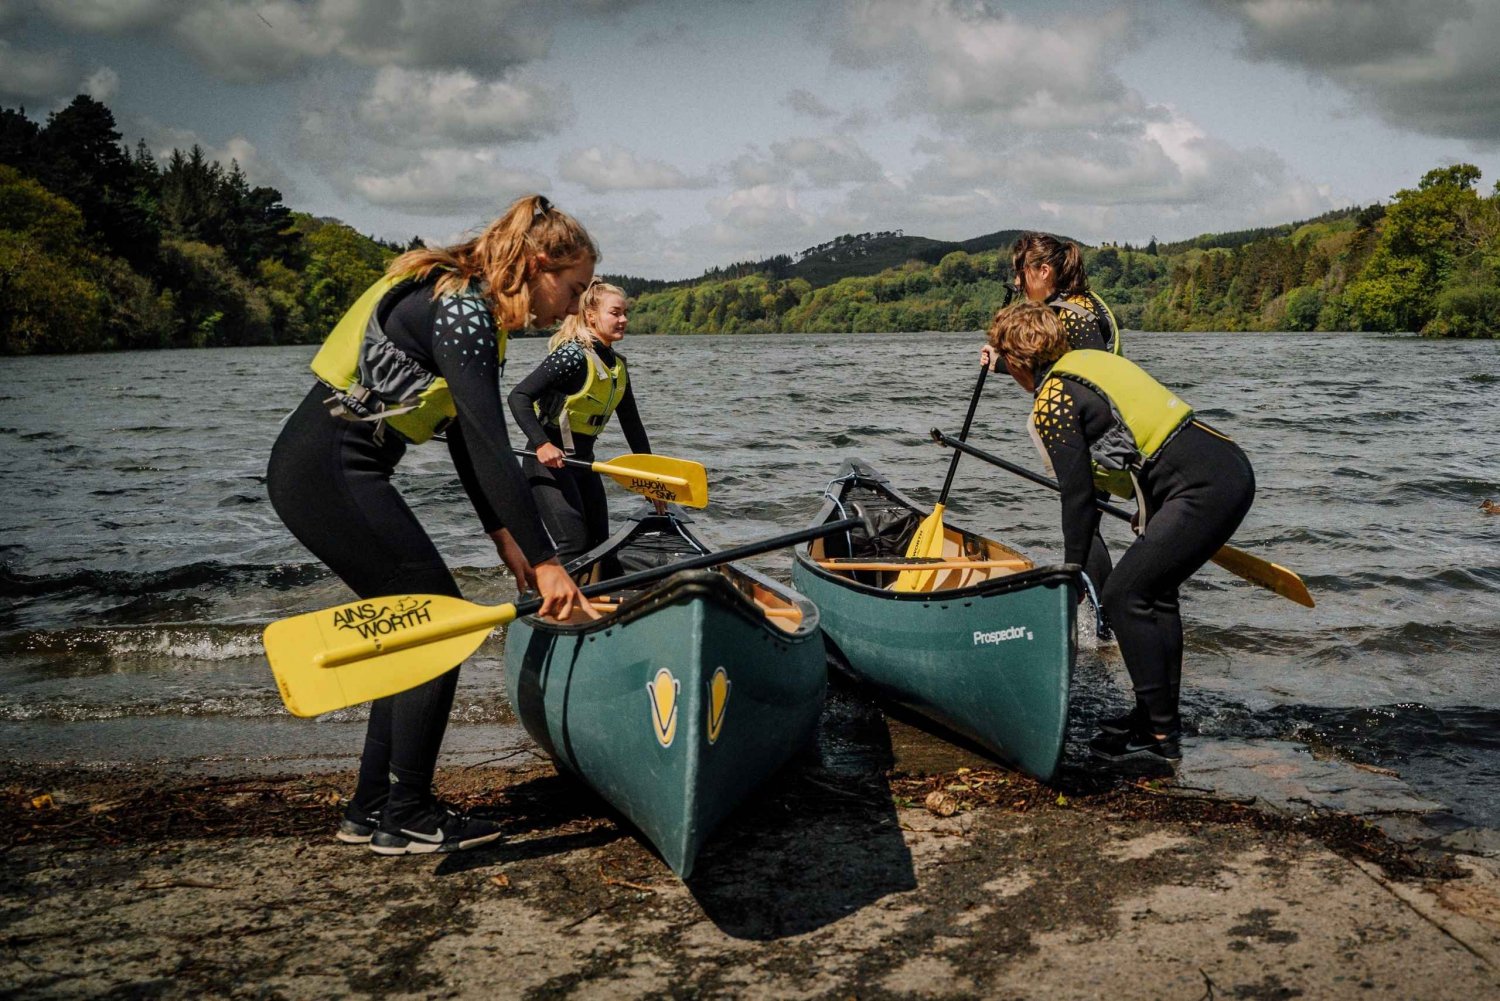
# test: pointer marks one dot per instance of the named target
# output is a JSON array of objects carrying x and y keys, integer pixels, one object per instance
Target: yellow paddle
[
  {"x": 659, "y": 477},
  {"x": 1271, "y": 576},
  {"x": 369, "y": 649},
  {"x": 927, "y": 542}
]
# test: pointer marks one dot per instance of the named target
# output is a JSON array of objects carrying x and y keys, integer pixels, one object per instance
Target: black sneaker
[
  {"x": 358, "y": 825},
  {"x": 440, "y": 829},
  {"x": 1138, "y": 747},
  {"x": 1136, "y": 719}
]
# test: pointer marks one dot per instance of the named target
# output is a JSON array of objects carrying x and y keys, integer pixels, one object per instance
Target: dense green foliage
[
  {"x": 1428, "y": 262},
  {"x": 103, "y": 248}
]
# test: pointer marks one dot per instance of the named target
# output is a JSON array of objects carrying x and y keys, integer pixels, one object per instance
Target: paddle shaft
[
  {"x": 963, "y": 435},
  {"x": 608, "y": 467},
  {"x": 1269, "y": 575},
  {"x": 489, "y": 616}
]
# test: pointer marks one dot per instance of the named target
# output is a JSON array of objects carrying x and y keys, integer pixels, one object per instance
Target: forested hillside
[{"x": 103, "y": 247}]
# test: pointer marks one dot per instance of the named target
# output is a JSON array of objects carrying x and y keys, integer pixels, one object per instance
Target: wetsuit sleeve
[
  {"x": 1060, "y": 419},
  {"x": 463, "y": 464},
  {"x": 630, "y": 421},
  {"x": 563, "y": 372},
  {"x": 464, "y": 352}
]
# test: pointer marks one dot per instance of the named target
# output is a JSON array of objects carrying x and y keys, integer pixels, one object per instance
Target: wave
[
  {"x": 207, "y": 573},
  {"x": 175, "y": 642}
]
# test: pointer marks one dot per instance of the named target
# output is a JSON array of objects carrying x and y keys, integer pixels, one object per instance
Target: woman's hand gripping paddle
[
  {"x": 1271, "y": 576},
  {"x": 927, "y": 543},
  {"x": 659, "y": 477},
  {"x": 366, "y": 650}
]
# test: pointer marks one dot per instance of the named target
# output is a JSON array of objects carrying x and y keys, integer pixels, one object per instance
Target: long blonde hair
[
  {"x": 575, "y": 329},
  {"x": 498, "y": 257}
]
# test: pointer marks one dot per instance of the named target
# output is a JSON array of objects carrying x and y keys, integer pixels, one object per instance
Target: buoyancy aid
[
  {"x": 1147, "y": 415},
  {"x": 586, "y": 411},
  {"x": 1088, "y": 310},
  {"x": 374, "y": 380}
]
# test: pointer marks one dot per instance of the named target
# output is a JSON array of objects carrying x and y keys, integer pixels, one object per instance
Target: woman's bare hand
[
  {"x": 550, "y": 455},
  {"x": 560, "y": 596}
]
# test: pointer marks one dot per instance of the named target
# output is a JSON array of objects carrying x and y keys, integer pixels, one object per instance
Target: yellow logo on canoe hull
[
  {"x": 662, "y": 691},
  {"x": 718, "y": 702}
]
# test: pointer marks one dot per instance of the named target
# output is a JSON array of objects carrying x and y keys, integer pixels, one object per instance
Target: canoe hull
[
  {"x": 673, "y": 710},
  {"x": 992, "y": 661}
]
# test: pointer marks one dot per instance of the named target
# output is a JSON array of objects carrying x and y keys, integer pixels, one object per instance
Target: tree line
[{"x": 103, "y": 247}]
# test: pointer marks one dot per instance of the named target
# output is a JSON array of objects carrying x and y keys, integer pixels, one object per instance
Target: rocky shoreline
[{"x": 913, "y": 882}]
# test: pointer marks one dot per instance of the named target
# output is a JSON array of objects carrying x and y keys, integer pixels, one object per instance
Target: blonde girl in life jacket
[{"x": 564, "y": 405}]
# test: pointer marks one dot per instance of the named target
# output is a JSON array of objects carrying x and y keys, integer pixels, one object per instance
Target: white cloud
[
  {"x": 1430, "y": 68},
  {"x": 754, "y": 168},
  {"x": 976, "y": 68},
  {"x": 411, "y": 106},
  {"x": 449, "y": 181},
  {"x": 827, "y": 162},
  {"x": 102, "y": 84},
  {"x": 616, "y": 169}
]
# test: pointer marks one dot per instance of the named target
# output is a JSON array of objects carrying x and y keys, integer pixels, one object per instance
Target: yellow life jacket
[
  {"x": 374, "y": 380},
  {"x": 588, "y": 410},
  {"x": 1147, "y": 414},
  {"x": 1084, "y": 309}
]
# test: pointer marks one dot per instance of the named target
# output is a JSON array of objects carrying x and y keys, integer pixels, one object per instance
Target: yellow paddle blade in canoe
[
  {"x": 660, "y": 477},
  {"x": 927, "y": 543},
  {"x": 364, "y": 650}
]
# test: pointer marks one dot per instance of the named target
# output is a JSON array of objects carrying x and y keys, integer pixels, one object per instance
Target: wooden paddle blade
[
  {"x": 659, "y": 477},
  {"x": 926, "y": 543},
  {"x": 1272, "y": 576},
  {"x": 364, "y": 650}
]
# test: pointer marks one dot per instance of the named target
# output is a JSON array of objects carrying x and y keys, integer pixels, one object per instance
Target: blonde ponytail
[{"x": 497, "y": 257}]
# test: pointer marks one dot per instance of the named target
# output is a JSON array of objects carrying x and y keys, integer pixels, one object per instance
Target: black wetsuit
[
  {"x": 330, "y": 481},
  {"x": 1099, "y": 334},
  {"x": 1197, "y": 491},
  {"x": 571, "y": 500}
]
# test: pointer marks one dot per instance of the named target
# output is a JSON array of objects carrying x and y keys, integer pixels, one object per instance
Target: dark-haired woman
[
  {"x": 420, "y": 352},
  {"x": 1050, "y": 271},
  {"x": 1104, "y": 422}
]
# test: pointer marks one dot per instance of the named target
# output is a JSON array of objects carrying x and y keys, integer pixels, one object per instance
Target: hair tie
[{"x": 542, "y": 207}]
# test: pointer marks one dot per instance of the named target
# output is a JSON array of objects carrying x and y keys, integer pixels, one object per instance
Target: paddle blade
[
  {"x": 365, "y": 650},
  {"x": 1272, "y": 576},
  {"x": 927, "y": 543},
  {"x": 660, "y": 477}
]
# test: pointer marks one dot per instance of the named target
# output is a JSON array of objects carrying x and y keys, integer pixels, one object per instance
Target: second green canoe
[{"x": 987, "y": 652}]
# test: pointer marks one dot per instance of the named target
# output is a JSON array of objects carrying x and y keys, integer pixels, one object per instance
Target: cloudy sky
[{"x": 691, "y": 133}]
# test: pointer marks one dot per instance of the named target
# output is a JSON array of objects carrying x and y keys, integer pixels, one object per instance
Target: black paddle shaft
[
  {"x": 962, "y": 435},
  {"x": 567, "y": 459},
  {"x": 719, "y": 558},
  {"x": 959, "y": 445}
]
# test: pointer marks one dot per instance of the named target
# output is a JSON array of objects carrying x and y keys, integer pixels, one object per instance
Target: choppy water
[{"x": 139, "y": 557}]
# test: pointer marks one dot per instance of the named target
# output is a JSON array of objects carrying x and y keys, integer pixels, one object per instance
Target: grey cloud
[
  {"x": 111, "y": 16},
  {"x": 410, "y": 106},
  {"x": 33, "y": 75},
  {"x": 751, "y": 169},
  {"x": 448, "y": 181},
  {"x": 601, "y": 170},
  {"x": 804, "y": 102},
  {"x": 826, "y": 162},
  {"x": 1431, "y": 68}
]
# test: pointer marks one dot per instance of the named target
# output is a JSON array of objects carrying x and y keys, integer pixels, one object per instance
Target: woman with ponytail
[
  {"x": 421, "y": 353},
  {"x": 562, "y": 407}
]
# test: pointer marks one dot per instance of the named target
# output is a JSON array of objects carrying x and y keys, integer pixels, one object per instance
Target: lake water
[{"x": 139, "y": 557}]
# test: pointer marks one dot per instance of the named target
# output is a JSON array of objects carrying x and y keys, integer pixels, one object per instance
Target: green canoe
[
  {"x": 683, "y": 698},
  {"x": 987, "y": 653}
]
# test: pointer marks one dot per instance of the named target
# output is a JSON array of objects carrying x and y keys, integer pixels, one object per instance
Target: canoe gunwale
[
  {"x": 854, "y": 471},
  {"x": 683, "y": 587}
]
